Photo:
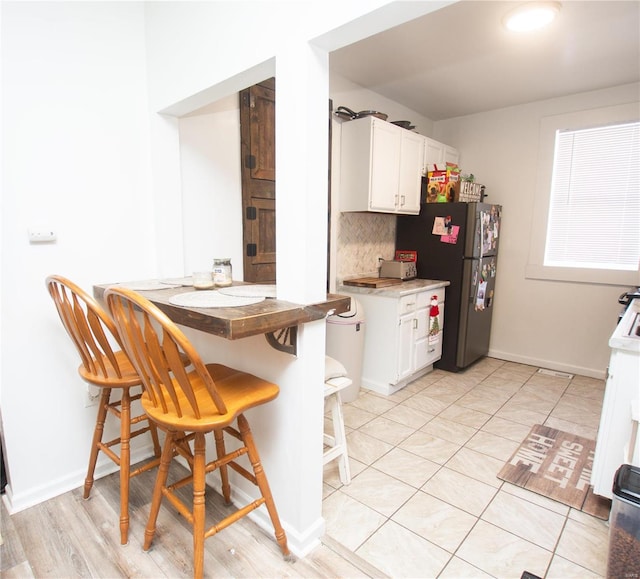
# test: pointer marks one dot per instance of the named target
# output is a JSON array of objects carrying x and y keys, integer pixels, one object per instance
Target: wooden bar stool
[
  {"x": 336, "y": 380},
  {"x": 187, "y": 404},
  {"x": 93, "y": 333}
]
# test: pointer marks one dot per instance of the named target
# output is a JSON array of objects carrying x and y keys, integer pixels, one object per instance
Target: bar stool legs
[
  {"x": 263, "y": 483},
  {"x": 196, "y": 515},
  {"x": 125, "y": 464},
  {"x": 122, "y": 410},
  {"x": 97, "y": 439},
  {"x": 337, "y": 443}
]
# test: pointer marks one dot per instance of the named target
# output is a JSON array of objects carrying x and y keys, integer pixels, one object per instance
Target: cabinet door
[
  {"x": 428, "y": 335},
  {"x": 385, "y": 163},
  {"x": 436, "y": 153},
  {"x": 411, "y": 156},
  {"x": 434, "y": 339},
  {"x": 451, "y": 155},
  {"x": 420, "y": 339},
  {"x": 405, "y": 346},
  {"x": 422, "y": 323},
  {"x": 433, "y": 153}
]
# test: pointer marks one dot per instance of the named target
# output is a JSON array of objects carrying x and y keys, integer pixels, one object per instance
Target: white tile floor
[{"x": 425, "y": 500}]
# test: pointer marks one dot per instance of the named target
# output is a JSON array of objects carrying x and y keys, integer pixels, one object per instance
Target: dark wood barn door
[{"x": 258, "y": 149}]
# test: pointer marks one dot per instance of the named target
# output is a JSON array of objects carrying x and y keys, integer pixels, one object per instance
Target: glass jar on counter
[{"x": 222, "y": 272}]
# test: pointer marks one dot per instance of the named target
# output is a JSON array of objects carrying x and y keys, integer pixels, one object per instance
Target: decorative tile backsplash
[{"x": 362, "y": 239}]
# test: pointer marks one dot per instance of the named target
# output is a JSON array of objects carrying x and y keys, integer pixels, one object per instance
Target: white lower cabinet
[{"x": 398, "y": 344}]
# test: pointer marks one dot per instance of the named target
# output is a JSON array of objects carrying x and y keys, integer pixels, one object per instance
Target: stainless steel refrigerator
[{"x": 458, "y": 242}]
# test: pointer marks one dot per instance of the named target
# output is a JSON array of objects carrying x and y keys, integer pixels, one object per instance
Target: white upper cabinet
[
  {"x": 437, "y": 153},
  {"x": 381, "y": 166},
  {"x": 451, "y": 155},
  {"x": 411, "y": 156}
]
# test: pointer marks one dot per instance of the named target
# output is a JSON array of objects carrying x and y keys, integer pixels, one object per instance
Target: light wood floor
[{"x": 68, "y": 536}]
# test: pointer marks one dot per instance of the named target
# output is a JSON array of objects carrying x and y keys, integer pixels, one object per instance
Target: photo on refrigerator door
[
  {"x": 490, "y": 225},
  {"x": 484, "y": 289}
]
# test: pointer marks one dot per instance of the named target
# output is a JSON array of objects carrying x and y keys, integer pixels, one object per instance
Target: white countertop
[
  {"x": 405, "y": 288},
  {"x": 623, "y": 338}
]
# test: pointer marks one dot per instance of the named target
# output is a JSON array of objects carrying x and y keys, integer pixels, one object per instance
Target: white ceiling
[{"x": 460, "y": 60}]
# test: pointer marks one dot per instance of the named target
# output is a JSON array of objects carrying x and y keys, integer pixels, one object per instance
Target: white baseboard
[
  {"x": 599, "y": 373},
  {"x": 389, "y": 389},
  {"x": 16, "y": 502},
  {"x": 300, "y": 544}
]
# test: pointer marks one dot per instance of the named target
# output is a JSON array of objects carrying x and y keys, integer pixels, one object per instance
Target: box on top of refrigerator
[
  {"x": 443, "y": 183},
  {"x": 470, "y": 192}
]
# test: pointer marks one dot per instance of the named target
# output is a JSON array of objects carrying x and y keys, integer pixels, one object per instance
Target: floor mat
[{"x": 556, "y": 465}]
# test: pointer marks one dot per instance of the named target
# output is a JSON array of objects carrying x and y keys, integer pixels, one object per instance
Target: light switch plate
[{"x": 42, "y": 235}]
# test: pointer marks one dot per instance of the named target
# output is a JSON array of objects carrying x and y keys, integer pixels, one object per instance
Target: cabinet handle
[
  {"x": 415, "y": 324},
  {"x": 401, "y": 200},
  {"x": 431, "y": 350}
]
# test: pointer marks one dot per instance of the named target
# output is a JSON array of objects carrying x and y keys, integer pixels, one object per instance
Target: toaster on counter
[{"x": 398, "y": 269}]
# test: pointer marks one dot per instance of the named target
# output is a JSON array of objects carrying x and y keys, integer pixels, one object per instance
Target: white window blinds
[{"x": 594, "y": 212}]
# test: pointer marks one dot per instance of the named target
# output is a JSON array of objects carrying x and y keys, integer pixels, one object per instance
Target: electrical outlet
[{"x": 91, "y": 396}]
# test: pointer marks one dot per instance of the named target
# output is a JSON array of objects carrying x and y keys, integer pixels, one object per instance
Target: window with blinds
[{"x": 594, "y": 211}]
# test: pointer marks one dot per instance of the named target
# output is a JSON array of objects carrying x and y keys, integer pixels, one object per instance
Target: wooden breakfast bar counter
[{"x": 277, "y": 319}]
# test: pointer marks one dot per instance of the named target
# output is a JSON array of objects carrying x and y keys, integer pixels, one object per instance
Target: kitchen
[{"x": 497, "y": 145}]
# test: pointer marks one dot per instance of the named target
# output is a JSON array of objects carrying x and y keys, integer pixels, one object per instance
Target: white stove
[
  {"x": 619, "y": 437},
  {"x": 627, "y": 333}
]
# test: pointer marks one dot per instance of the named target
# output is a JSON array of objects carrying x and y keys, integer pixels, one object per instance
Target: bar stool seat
[{"x": 336, "y": 380}]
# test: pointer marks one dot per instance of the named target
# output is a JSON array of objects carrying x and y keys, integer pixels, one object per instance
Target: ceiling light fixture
[{"x": 531, "y": 16}]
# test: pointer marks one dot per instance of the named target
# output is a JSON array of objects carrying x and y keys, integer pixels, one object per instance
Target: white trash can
[{"x": 345, "y": 343}]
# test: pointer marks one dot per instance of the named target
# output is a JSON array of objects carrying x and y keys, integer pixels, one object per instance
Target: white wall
[
  {"x": 211, "y": 186},
  {"x": 347, "y": 93},
  {"x": 559, "y": 325},
  {"x": 75, "y": 159}
]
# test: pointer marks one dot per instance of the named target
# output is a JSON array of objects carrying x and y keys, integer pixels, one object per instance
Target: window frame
[{"x": 535, "y": 268}]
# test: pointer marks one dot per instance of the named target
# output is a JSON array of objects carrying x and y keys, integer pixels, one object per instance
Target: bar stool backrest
[
  {"x": 157, "y": 349},
  {"x": 90, "y": 328}
]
